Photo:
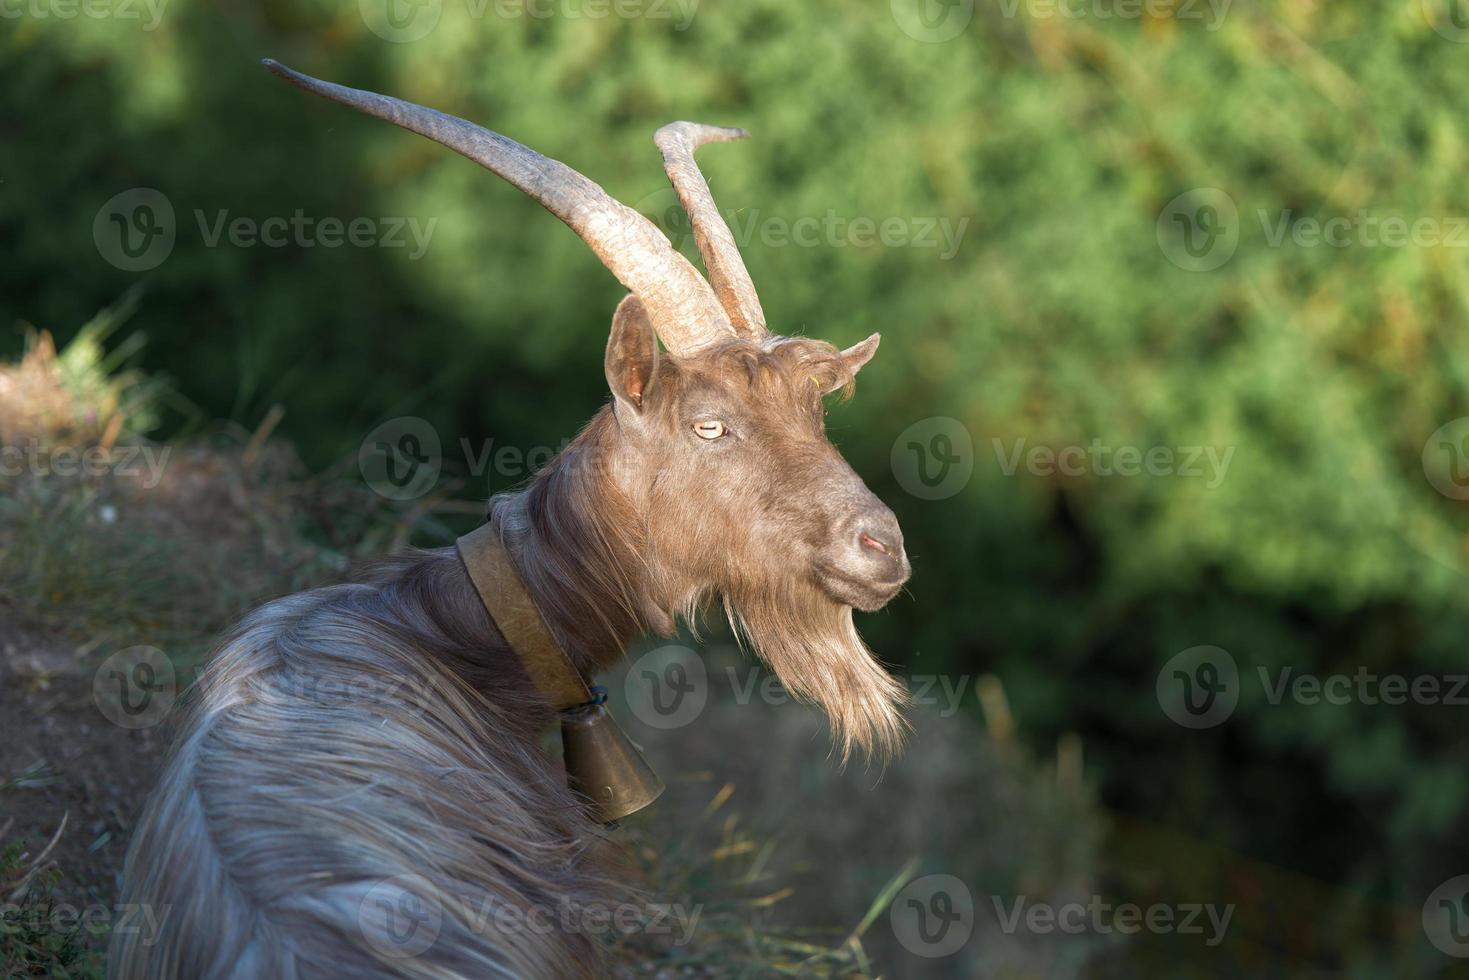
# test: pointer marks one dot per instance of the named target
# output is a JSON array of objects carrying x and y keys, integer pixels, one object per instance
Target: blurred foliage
[
  {"x": 1059, "y": 321},
  {"x": 83, "y": 396},
  {"x": 977, "y": 806},
  {"x": 38, "y": 938}
]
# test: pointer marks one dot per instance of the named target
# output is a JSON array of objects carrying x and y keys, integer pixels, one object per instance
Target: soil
[{"x": 63, "y": 761}]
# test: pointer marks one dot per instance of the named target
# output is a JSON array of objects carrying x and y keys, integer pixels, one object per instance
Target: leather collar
[
  {"x": 488, "y": 563},
  {"x": 602, "y": 764}
]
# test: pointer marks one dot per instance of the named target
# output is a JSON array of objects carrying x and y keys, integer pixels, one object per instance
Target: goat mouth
[{"x": 866, "y": 594}]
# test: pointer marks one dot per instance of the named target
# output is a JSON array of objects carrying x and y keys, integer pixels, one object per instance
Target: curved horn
[
  {"x": 677, "y": 142},
  {"x": 684, "y": 310}
]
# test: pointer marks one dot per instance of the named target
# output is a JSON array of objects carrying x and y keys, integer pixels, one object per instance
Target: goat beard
[{"x": 811, "y": 643}]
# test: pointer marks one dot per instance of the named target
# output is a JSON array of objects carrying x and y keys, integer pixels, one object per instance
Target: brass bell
[{"x": 603, "y": 765}]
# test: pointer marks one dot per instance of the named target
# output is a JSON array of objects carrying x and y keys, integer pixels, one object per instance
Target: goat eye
[{"x": 709, "y": 430}]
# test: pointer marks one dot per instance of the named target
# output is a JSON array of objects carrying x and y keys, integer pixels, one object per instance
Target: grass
[
  {"x": 729, "y": 875},
  {"x": 37, "y": 938}
]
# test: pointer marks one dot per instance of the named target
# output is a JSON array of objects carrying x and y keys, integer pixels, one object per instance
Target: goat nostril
[{"x": 868, "y": 541}]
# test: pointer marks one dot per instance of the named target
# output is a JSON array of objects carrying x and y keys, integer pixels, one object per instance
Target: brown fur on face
[
  {"x": 641, "y": 520},
  {"x": 752, "y": 516}
]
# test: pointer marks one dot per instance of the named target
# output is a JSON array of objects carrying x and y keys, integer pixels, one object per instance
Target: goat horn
[
  {"x": 683, "y": 308},
  {"x": 727, "y": 274}
]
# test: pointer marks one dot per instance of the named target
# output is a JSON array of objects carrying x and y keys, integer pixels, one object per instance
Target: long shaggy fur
[
  {"x": 353, "y": 752},
  {"x": 363, "y": 760},
  {"x": 812, "y": 645}
]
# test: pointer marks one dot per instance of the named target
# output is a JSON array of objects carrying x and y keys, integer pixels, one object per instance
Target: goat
[{"x": 368, "y": 754}]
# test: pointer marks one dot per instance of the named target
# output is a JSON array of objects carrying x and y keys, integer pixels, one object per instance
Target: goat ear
[
  {"x": 632, "y": 354},
  {"x": 859, "y": 354},
  {"x": 852, "y": 358}
]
